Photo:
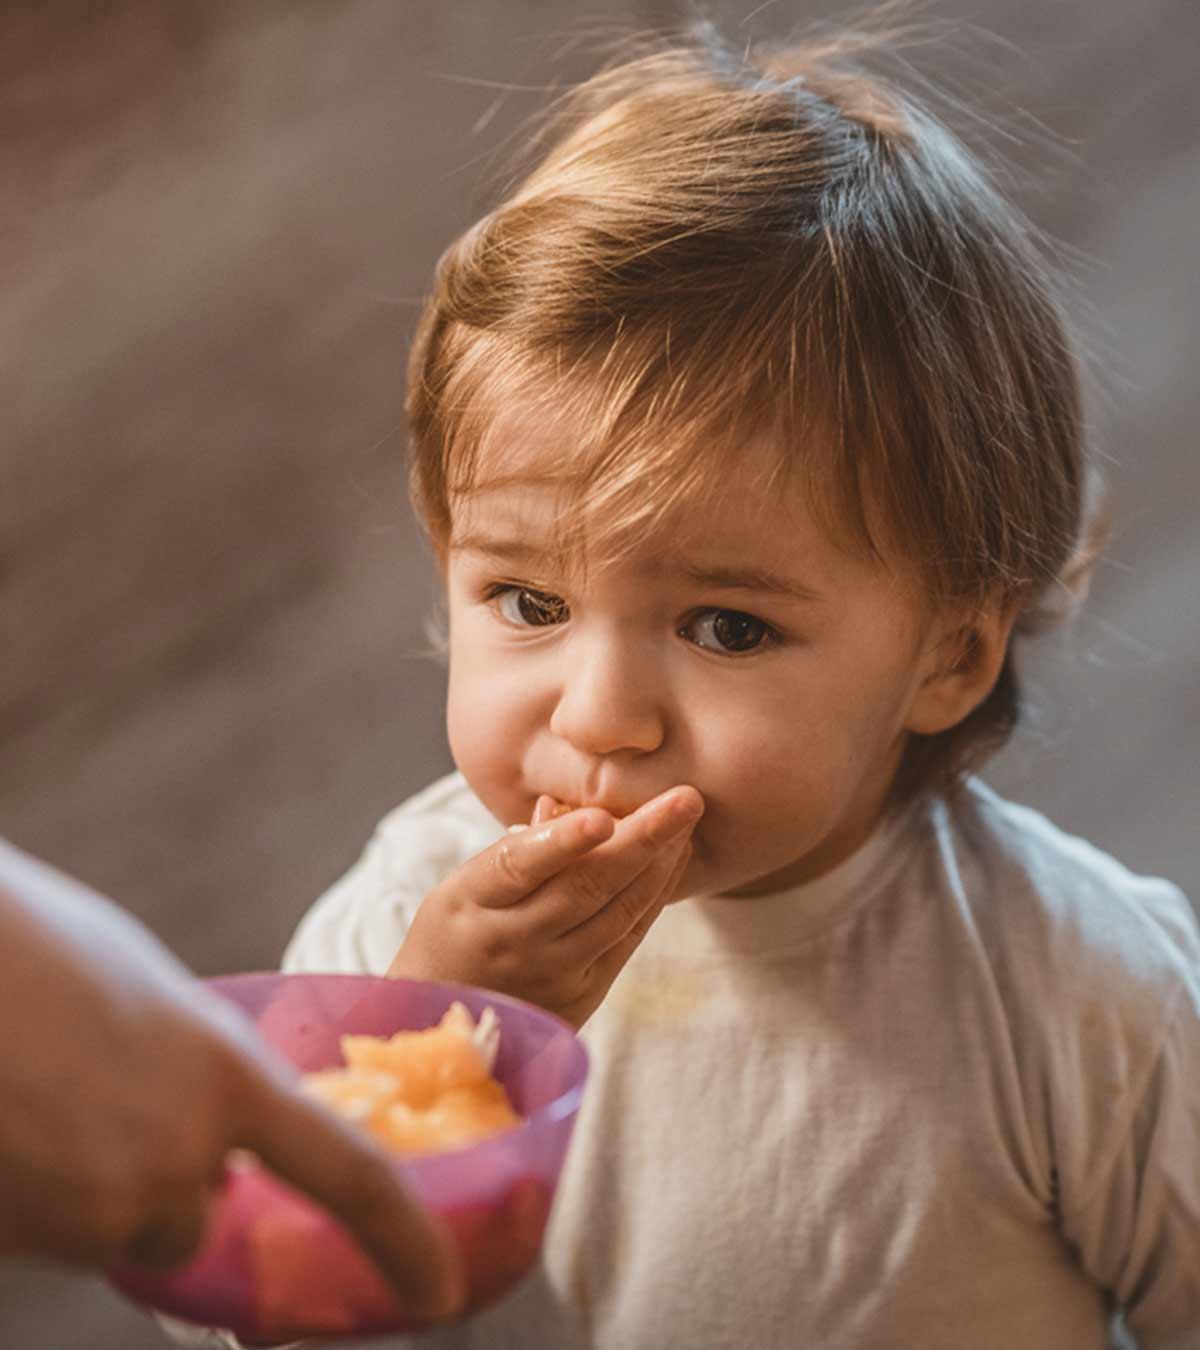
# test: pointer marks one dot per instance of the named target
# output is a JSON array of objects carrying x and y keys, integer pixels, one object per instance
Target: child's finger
[
  {"x": 519, "y": 863},
  {"x": 588, "y": 887},
  {"x": 545, "y": 808},
  {"x": 609, "y": 965},
  {"x": 622, "y": 916}
]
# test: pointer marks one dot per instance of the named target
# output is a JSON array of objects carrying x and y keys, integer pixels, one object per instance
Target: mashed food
[{"x": 421, "y": 1091}]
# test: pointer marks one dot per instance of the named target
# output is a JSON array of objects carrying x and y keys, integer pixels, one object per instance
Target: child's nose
[{"x": 605, "y": 706}]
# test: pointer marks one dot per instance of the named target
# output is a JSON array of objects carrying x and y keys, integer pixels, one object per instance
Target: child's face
[{"x": 685, "y": 663}]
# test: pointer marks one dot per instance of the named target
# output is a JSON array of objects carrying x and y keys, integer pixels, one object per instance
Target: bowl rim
[{"x": 564, "y": 1105}]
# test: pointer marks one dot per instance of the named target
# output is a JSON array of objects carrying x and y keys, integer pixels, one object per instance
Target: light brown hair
[{"x": 719, "y": 245}]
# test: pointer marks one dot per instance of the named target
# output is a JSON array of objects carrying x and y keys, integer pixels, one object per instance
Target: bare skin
[
  {"x": 553, "y": 912},
  {"x": 125, "y": 1083},
  {"x": 743, "y": 649}
]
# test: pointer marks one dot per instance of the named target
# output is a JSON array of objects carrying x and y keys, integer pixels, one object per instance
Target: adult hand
[
  {"x": 552, "y": 912},
  {"x": 124, "y": 1084}
]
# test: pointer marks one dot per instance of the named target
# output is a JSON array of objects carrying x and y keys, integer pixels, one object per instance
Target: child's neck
[{"x": 847, "y": 837}]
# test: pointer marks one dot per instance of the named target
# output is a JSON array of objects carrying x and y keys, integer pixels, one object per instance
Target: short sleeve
[{"x": 1136, "y": 1223}]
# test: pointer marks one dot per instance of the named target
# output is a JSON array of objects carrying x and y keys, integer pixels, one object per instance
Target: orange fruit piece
[{"x": 420, "y": 1091}]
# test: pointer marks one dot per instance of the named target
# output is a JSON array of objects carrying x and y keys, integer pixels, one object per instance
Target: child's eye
[
  {"x": 530, "y": 609},
  {"x": 728, "y": 631}
]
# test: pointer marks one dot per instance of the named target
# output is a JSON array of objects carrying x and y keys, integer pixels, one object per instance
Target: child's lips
[{"x": 550, "y": 808}]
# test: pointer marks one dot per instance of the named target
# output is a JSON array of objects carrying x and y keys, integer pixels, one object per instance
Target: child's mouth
[{"x": 550, "y": 808}]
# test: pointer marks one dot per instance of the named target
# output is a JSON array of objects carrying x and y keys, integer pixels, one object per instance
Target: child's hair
[{"x": 718, "y": 247}]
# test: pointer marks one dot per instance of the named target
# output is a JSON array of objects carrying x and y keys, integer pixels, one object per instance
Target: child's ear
[{"x": 963, "y": 660}]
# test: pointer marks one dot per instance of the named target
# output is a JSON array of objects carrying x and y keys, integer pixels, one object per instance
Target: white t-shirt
[{"x": 946, "y": 1097}]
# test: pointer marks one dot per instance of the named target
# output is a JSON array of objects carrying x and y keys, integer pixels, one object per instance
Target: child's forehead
[
  {"x": 539, "y": 472},
  {"x": 785, "y": 564},
  {"x": 561, "y": 444},
  {"x": 547, "y": 467},
  {"x": 544, "y": 468},
  {"x": 533, "y": 527}
]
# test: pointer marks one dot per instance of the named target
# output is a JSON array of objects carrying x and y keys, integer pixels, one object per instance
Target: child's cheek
[
  {"x": 484, "y": 731},
  {"x": 793, "y": 786}
]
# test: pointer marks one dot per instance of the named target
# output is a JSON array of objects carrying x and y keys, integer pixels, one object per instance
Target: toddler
[{"x": 747, "y": 435}]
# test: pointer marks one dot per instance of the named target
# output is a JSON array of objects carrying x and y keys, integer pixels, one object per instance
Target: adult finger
[
  {"x": 53, "y": 1227},
  {"x": 345, "y": 1172},
  {"x": 98, "y": 1231},
  {"x": 171, "y": 1238}
]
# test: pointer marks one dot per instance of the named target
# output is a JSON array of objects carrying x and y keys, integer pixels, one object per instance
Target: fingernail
[{"x": 675, "y": 815}]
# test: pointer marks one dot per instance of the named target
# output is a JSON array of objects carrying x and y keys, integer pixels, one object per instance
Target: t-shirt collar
[{"x": 783, "y": 918}]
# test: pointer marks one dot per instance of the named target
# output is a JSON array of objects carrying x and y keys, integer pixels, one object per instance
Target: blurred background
[{"x": 221, "y": 219}]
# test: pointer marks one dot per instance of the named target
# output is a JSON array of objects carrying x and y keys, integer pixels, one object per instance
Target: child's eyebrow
[
  {"x": 749, "y": 579},
  {"x": 511, "y": 550},
  {"x": 734, "y": 578}
]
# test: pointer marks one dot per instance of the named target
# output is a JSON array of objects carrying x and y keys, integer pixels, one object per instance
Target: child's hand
[{"x": 552, "y": 912}]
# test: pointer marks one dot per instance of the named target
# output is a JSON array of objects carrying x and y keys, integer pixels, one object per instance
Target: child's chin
[{"x": 691, "y": 886}]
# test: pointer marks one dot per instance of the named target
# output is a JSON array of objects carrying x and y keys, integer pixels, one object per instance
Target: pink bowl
[{"x": 275, "y": 1266}]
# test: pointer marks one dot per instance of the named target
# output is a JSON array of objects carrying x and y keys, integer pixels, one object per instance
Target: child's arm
[
  {"x": 553, "y": 912},
  {"x": 1130, "y": 1183}
]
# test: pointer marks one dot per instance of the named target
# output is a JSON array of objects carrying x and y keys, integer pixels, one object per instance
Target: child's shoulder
[
  {"x": 439, "y": 827},
  {"x": 1061, "y": 906},
  {"x": 1087, "y": 976},
  {"x": 359, "y": 923}
]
